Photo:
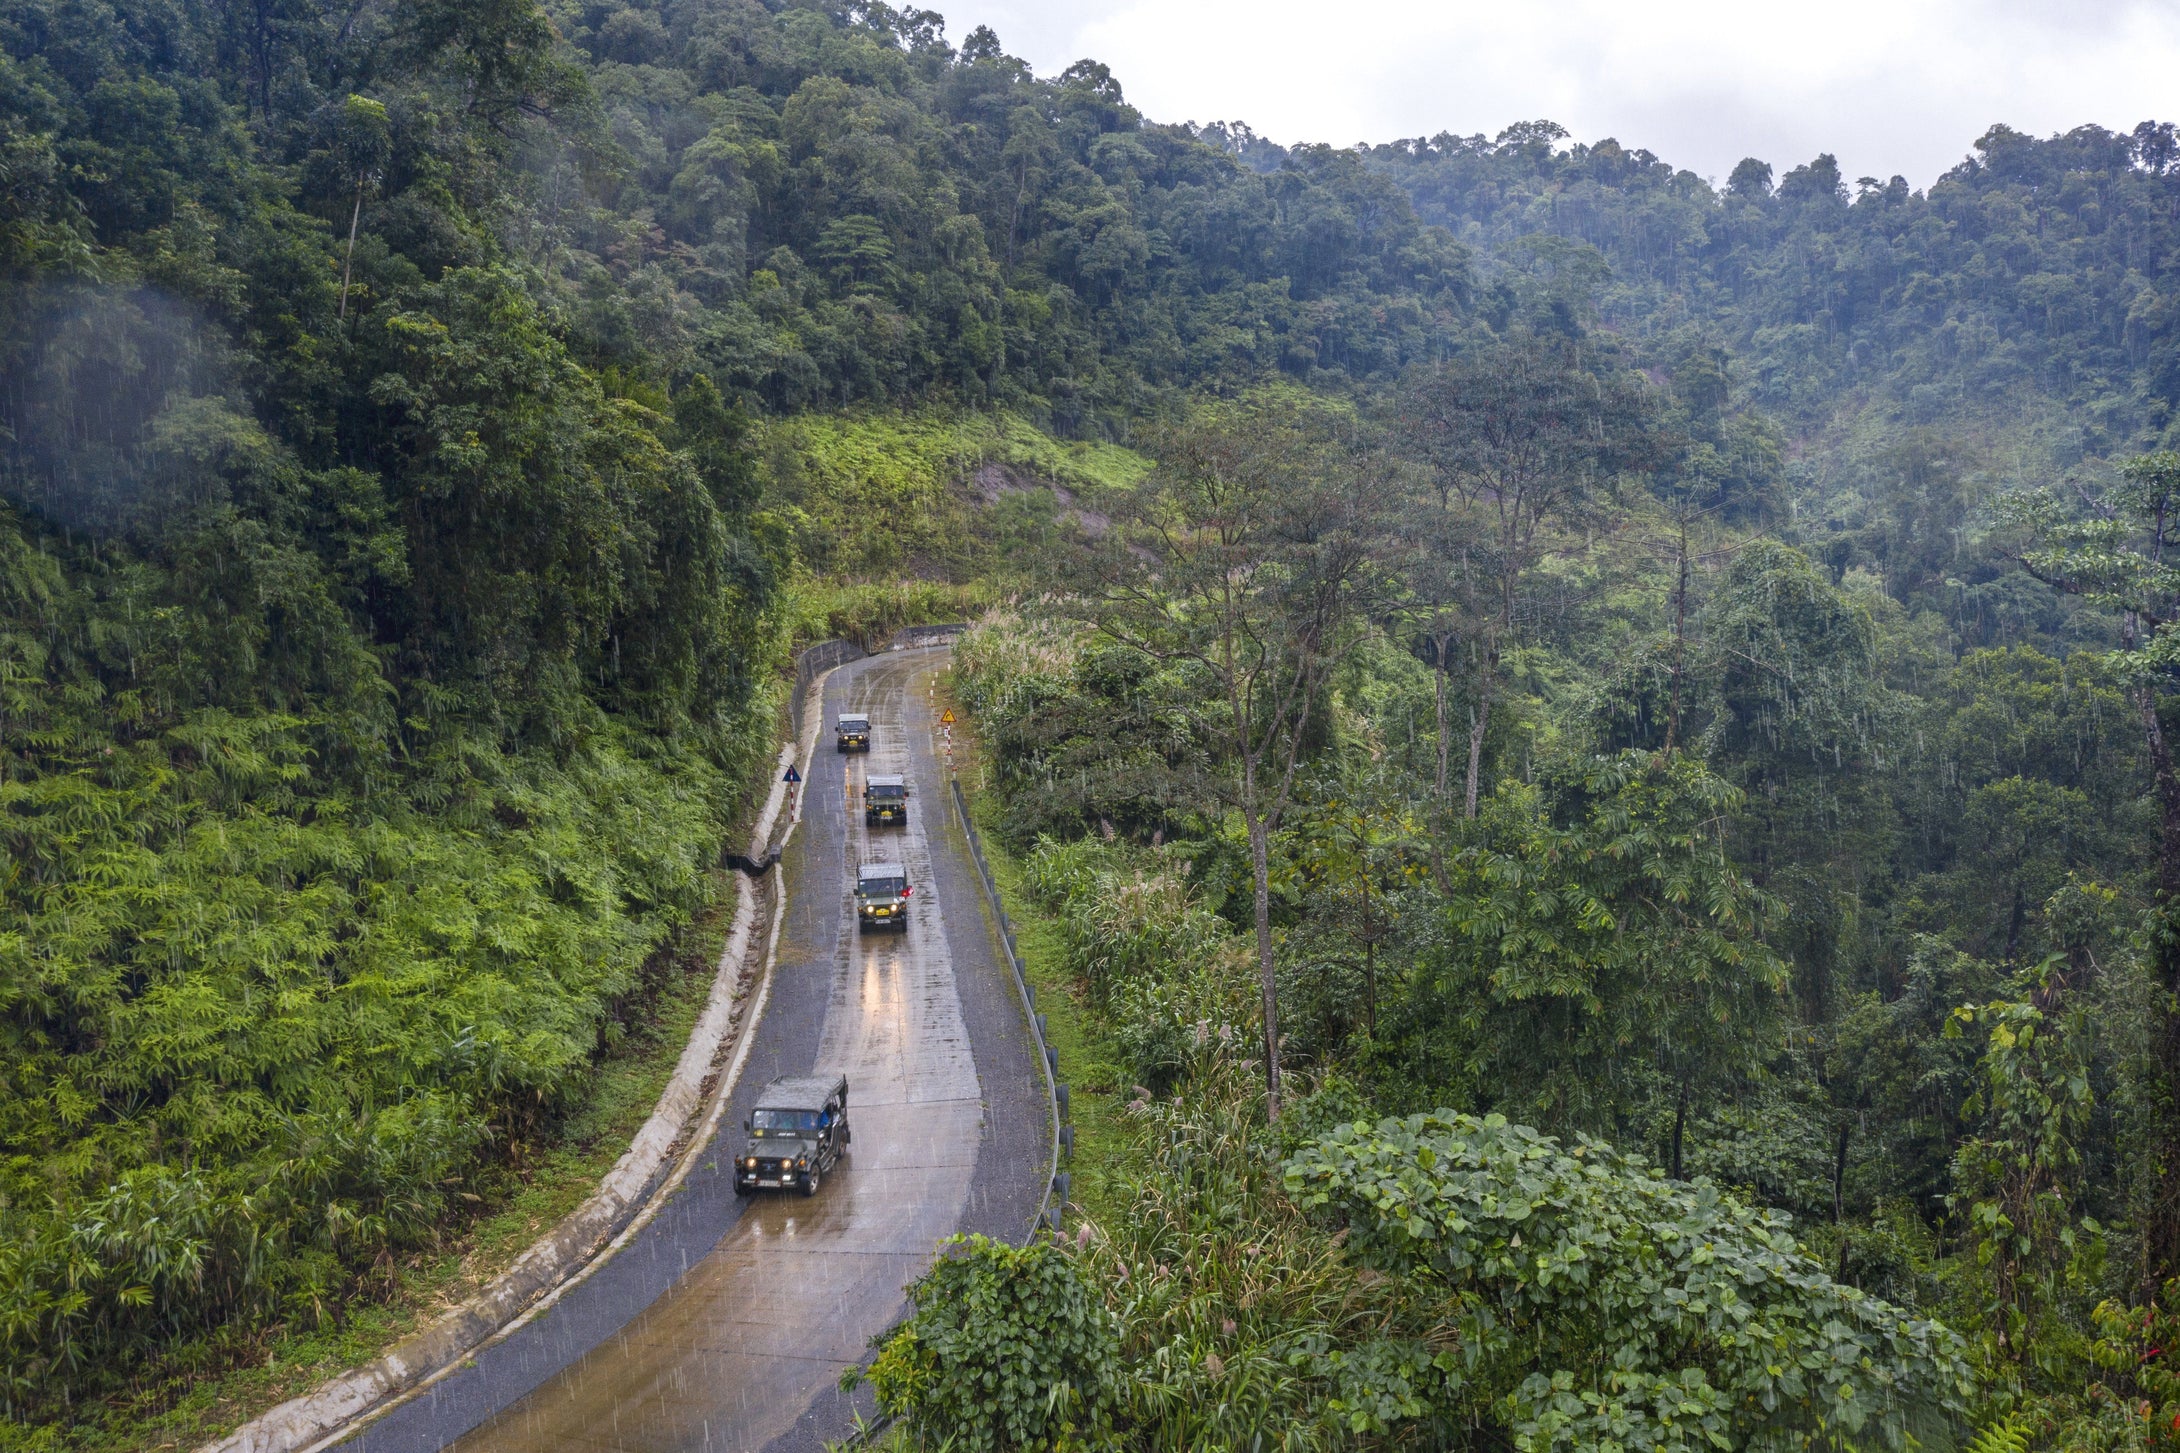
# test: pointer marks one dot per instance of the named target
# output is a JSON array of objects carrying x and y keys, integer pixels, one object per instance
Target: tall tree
[
  {"x": 2111, "y": 550},
  {"x": 1522, "y": 439},
  {"x": 1600, "y": 941},
  {"x": 1250, "y": 558}
]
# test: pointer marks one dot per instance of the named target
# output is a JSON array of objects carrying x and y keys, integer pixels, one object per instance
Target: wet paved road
[{"x": 724, "y": 1326}]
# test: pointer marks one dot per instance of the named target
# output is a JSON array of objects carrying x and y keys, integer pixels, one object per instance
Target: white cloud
[{"x": 1888, "y": 86}]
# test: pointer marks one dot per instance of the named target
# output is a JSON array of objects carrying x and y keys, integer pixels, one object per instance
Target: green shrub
[
  {"x": 1006, "y": 1348},
  {"x": 1597, "y": 1303},
  {"x": 259, "y": 1026},
  {"x": 1010, "y": 661},
  {"x": 1083, "y": 734},
  {"x": 870, "y": 612}
]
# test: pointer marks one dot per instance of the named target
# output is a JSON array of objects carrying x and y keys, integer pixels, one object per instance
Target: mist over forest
[{"x": 1591, "y": 749}]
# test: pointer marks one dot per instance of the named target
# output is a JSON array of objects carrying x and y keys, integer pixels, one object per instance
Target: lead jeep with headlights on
[
  {"x": 798, "y": 1130},
  {"x": 885, "y": 801},
  {"x": 852, "y": 732},
  {"x": 881, "y": 896}
]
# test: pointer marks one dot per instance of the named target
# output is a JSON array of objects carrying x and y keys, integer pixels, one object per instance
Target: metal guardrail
[{"x": 1056, "y": 1183}]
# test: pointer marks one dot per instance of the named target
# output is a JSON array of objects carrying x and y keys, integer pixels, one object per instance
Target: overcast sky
[{"x": 1888, "y": 86}]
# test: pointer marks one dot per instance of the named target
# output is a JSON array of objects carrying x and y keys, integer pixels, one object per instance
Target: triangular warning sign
[
  {"x": 791, "y": 775},
  {"x": 948, "y": 718}
]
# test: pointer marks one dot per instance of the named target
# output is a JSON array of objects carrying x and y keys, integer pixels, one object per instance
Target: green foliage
[
  {"x": 931, "y": 493},
  {"x": 1595, "y": 1300},
  {"x": 258, "y": 1021},
  {"x": 1598, "y": 935},
  {"x": 2007, "y": 1435},
  {"x": 1085, "y": 734},
  {"x": 815, "y": 610},
  {"x": 1166, "y": 970},
  {"x": 864, "y": 213},
  {"x": 1006, "y": 1347},
  {"x": 1244, "y": 1326},
  {"x": 2134, "y": 1400},
  {"x": 2012, "y": 280},
  {"x": 2017, "y": 1176},
  {"x": 380, "y": 674}
]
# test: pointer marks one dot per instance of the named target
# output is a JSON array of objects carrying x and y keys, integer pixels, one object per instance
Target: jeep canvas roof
[
  {"x": 880, "y": 779},
  {"x": 801, "y": 1092},
  {"x": 880, "y": 870},
  {"x": 854, "y": 718}
]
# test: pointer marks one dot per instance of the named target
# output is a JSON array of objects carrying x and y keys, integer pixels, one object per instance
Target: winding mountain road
[{"x": 723, "y": 1326}]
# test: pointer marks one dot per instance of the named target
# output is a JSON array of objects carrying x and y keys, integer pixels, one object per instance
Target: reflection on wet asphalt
[{"x": 742, "y": 1350}]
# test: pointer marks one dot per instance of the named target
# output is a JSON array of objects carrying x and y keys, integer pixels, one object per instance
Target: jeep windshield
[
  {"x": 880, "y": 887},
  {"x": 784, "y": 1122},
  {"x": 881, "y": 792}
]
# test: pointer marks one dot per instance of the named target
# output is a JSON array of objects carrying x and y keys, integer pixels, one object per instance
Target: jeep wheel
[{"x": 811, "y": 1181}]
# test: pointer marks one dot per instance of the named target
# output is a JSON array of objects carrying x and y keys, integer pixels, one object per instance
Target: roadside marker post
[{"x": 793, "y": 779}]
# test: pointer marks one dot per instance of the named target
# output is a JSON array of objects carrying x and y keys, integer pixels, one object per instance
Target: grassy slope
[
  {"x": 516, "y": 1203},
  {"x": 873, "y": 495}
]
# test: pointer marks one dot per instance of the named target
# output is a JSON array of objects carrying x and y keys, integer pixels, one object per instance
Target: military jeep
[
  {"x": 798, "y": 1130},
  {"x": 885, "y": 801},
  {"x": 881, "y": 896},
  {"x": 852, "y": 732}
]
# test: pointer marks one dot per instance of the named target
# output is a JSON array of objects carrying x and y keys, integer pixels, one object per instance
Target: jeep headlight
[{"x": 751, "y": 1162}]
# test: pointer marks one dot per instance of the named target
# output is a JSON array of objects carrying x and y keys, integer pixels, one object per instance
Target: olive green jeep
[
  {"x": 798, "y": 1130},
  {"x": 881, "y": 896},
  {"x": 885, "y": 801}
]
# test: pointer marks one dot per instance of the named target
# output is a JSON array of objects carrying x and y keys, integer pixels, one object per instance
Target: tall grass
[
  {"x": 1247, "y": 1327},
  {"x": 869, "y": 612}
]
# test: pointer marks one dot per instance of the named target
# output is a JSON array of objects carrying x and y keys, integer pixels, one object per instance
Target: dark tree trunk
[
  {"x": 1260, "y": 862},
  {"x": 1445, "y": 725},
  {"x": 1479, "y": 723},
  {"x": 1370, "y": 988},
  {"x": 1839, "y": 1176},
  {"x": 1680, "y": 637}
]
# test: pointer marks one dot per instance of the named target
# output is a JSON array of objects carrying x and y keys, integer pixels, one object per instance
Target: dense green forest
[{"x": 1702, "y": 767}]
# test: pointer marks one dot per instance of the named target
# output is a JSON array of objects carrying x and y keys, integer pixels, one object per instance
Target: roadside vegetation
[{"x": 1745, "y": 978}]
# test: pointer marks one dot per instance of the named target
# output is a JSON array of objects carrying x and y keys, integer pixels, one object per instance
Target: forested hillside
[
  {"x": 426, "y": 425},
  {"x": 2017, "y": 321}
]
